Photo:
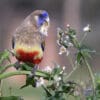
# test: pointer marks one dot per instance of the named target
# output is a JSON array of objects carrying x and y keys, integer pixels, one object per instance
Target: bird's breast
[{"x": 29, "y": 54}]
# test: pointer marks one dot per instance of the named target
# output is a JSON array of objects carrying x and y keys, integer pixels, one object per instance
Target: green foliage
[
  {"x": 29, "y": 81},
  {"x": 57, "y": 87},
  {"x": 11, "y": 98},
  {"x": 4, "y": 56},
  {"x": 56, "y": 84}
]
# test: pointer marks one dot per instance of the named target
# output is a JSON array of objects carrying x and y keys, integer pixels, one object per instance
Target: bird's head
[{"x": 42, "y": 21}]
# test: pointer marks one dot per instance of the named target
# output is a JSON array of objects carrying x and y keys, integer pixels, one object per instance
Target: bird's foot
[
  {"x": 17, "y": 65},
  {"x": 34, "y": 69}
]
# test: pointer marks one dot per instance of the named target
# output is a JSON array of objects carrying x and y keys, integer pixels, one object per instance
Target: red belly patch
[{"x": 28, "y": 56}]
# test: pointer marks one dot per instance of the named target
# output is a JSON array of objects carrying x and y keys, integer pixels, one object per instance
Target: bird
[{"x": 28, "y": 40}]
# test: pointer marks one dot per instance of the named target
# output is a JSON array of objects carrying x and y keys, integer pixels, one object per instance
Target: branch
[{"x": 9, "y": 74}]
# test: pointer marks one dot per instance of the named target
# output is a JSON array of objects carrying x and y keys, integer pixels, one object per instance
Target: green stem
[
  {"x": 71, "y": 72},
  {"x": 91, "y": 75},
  {"x": 70, "y": 60},
  {"x": 5, "y": 67},
  {"x": 47, "y": 91},
  {"x": 85, "y": 34},
  {"x": 0, "y": 89},
  {"x": 9, "y": 74},
  {"x": 10, "y": 91}
]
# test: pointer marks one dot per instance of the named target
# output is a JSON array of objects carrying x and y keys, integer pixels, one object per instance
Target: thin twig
[
  {"x": 91, "y": 75},
  {"x": 71, "y": 72},
  {"x": 71, "y": 62},
  {"x": 9, "y": 74}
]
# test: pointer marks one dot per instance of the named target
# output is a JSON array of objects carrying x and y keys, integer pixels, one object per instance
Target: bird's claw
[
  {"x": 34, "y": 69},
  {"x": 17, "y": 65}
]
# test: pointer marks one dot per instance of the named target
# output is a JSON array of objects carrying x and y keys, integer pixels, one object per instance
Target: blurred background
[{"x": 77, "y": 13}]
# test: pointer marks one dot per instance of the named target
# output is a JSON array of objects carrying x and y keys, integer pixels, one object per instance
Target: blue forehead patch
[
  {"x": 45, "y": 14},
  {"x": 42, "y": 18}
]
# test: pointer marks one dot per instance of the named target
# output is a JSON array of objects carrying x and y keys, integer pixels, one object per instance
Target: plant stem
[
  {"x": 91, "y": 75},
  {"x": 71, "y": 72},
  {"x": 70, "y": 60},
  {"x": 85, "y": 34},
  {"x": 5, "y": 67},
  {"x": 9, "y": 74},
  {"x": 0, "y": 89}
]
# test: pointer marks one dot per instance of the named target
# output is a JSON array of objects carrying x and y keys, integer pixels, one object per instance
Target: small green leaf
[
  {"x": 91, "y": 98},
  {"x": 97, "y": 78},
  {"x": 3, "y": 68},
  {"x": 29, "y": 81},
  {"x": 4, "y": 56},
  {"x": 68, "y": 87},
  {"x": 86, "y": 53},
  {"x": 79, "y": 58},
  {"x": 11, "y": 98},
  {"x": 26, "y": 67},
  {"x": 47, "y": 91},
  {"x": 57, "y": 69},
  {"x": 72, "y": 32}
]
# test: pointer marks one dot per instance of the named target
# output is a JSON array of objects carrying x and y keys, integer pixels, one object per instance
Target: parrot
[{"x": 28, "y": 40}]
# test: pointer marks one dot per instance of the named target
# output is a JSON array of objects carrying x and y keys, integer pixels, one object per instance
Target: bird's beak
[{"x": 47, "y": 19}]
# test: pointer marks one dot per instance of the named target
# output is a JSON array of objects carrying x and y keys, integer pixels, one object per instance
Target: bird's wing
[
  {"x": 13, "y": 42},
  {"x": 43, "y": 45}
]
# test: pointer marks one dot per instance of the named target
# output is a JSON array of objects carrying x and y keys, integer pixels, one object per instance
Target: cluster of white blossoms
[
  {"x": 67, "y": 38},
  {"x": 40, "y": 82},
  {"x": 64, "y": 40},
  {"x": 63, "y": 50},
  {"x": 50, "y": 70}
]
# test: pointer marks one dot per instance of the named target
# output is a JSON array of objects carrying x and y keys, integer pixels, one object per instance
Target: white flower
[
  {"x": 68, "y": 25},
  {"x": 58, "y": 29},
  {"x": 70, "y": 44},
  {"x": 87, "y": 28},
  {"x": 57, "y": 84},
  {"x": 57, "y": 78},
  {"x": 65, "y": 41},
  {"x": 62, "y": 50},
  {"x": 57, "y": 66},
  {"x": 74, "y": 36},
  {"x": 58, "y": 43},
  {"x": 61, "y": 72},
  {"x": 64, "y": 67},
  {"x": 76, "y": 93},
  {"x": 67, "y": 37},
  {"x": 58, "y": 36},
  {"x": 67, "y": 52},
  {"x": 48, "y": 69},
  {"x": 40, "y": 82}
]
